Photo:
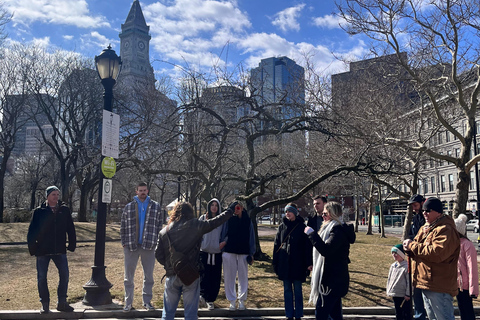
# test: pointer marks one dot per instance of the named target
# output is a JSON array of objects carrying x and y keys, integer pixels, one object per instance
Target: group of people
[
  {"x": 321, "y": 247},
  {"x": 436, "y": 263}
]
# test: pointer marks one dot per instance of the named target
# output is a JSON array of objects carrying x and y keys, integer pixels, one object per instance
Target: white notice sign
[
  {"x": 107, "y": 191},
  {"x": 110, "y": 134}
]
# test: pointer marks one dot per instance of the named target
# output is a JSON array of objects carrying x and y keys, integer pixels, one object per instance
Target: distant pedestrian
[
  {"x": 291, "y": 259},
  {"x": 330, "y": 276},
  {"x": 211, "y": 257},
  {"x": 140, "y": 224},
  {"x": 398, "y": 284},
  {"x": 467, "y": 276},
  {"x": 47, "y": 240}
]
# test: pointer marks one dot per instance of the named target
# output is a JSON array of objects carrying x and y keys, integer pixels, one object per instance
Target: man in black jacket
[
  {"x": 47, "y": 238},
  {"x": 315, "y": 222},
  {"x": 416, "y": 202}
]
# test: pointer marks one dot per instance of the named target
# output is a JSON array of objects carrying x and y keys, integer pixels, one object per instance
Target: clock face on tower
[
  {"x": 126, "y": 44},
  {"x": 141, "y": 45}
]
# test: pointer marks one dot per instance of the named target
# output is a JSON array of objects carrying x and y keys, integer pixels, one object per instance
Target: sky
[{"x": 199, "y": 33}]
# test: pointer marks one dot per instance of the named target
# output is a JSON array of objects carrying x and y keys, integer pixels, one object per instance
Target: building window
[
  {"x": 425, "y": 185},
  {"x": 442, "y": 183},
  {"x": 457, "y": 152},
  {"x": 450, "y": 182},
  {"x": 447, "y": 136},
  {"x": 472, "y": 180},
  {"x": 440, "y": 138},
  {"x": 432, "y": 182}
]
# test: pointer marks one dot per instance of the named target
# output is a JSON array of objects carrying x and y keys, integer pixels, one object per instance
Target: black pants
[
  {"x": 402, "y": 312},
  {"x": 331, "y": 309},
  {"x": 211, "y": 276},
  {"x": 465, "y": 305}
]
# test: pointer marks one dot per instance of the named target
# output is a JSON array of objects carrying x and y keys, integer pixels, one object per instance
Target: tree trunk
[
  {"x": 381, "y": 223},
  {"x": 461, "y": 193}
]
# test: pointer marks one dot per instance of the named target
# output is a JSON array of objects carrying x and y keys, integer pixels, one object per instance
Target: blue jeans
[
  {"x": 61, "y": 263},
  {"x": 288, "y": 297},
  {"x": 418, "y": 307},
  {"x": 171, "y": 296},
  {"x": 439, "y": 306}
]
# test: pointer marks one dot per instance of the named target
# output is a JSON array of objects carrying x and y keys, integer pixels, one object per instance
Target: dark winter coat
[
  {"x": 47, "y": 233},
  {"x": 292, "y": 253},
  {"x": 418, "y": 221},
  {"x": 335, "y": 250}
]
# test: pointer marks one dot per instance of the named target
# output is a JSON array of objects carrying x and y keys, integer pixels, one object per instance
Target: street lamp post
[{"x": 98, "y": 287}]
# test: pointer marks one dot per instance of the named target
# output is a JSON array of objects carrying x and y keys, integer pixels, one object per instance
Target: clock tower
[{"x": 134, "y": 49}]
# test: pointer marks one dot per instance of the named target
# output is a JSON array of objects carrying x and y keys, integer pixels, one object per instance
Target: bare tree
[
  {"x": 443, "y": 47},
  {"x": 14, "y": 66}
]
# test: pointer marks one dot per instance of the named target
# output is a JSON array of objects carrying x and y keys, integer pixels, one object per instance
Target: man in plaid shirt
[{"x": 140, "y": 225}]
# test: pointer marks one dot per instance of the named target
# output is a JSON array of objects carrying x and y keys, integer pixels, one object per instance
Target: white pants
[{"x": 234, "y": 264}]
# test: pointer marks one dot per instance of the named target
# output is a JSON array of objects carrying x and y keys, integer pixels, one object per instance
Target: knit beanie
[
  {"x": 292, "y": 209},
  {"x": 50, "y": 189},
  {"x": 461, "y": 225},
  {"x": 398, "y": 249}
]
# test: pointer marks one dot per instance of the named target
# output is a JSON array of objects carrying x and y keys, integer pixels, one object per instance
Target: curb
[
  {"x": 251, "y": 313},
  {"x": 104, "y": 312}
]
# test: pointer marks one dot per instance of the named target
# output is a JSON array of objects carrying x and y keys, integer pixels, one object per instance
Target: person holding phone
[{"x": 238, "y": 239}]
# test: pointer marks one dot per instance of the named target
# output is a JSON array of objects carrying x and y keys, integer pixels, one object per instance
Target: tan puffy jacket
[{"x": 434, "y": 254}]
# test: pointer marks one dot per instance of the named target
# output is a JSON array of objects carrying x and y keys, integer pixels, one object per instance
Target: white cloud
[
  {"x": 98, "y": 42},
  {"x": 328, "y": 21},
  {"x": 194, "y": 29},
  {"x": 68, "y": 37},
  {"x": 42, "y": 42},
  {"x": 61, "y": 12},
  {"x": 287, "y": 19}
]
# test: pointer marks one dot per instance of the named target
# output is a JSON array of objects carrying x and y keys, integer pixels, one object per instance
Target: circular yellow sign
[{"x": 109, "y": 167}]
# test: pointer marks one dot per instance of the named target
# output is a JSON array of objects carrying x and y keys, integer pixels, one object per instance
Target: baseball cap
[{"x": 416, "y": 198}]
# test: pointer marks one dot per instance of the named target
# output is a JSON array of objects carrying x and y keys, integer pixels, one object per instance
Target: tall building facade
[{"x": 279, "y": 83}]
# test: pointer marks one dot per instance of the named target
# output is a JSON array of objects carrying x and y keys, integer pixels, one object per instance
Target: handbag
[{"x": 182, "y": 266}]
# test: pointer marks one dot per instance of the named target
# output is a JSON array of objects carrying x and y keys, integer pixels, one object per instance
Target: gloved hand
[{"x": 231, "y": 207}]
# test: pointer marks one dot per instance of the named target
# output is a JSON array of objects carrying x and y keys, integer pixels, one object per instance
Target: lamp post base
[{"x": 97, "y": 288}]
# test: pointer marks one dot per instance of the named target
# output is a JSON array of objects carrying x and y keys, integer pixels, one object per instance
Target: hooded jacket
[
  {"x": 47, "y": 233},
  {"x": 435, "y": 251},
  {"x": 467, "y": 268},
  {"x": 211, "y": 240}
]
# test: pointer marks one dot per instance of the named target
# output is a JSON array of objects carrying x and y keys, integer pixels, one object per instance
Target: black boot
[
  {"x": 64, "y": 306},
  {"x": 45, "y": 308}
]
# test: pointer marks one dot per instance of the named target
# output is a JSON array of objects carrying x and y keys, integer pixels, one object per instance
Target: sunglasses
[{"x": 427, "y": 210}]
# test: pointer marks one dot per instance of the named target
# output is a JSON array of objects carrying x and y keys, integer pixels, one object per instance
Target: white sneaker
[
  {"x": 232, "y": 306},
  {"x": 241, "y": 305},
  {"x": 210, "y": 306}
]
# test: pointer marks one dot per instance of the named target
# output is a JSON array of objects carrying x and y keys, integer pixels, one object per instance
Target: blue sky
[{"x": 197, "y": 32}]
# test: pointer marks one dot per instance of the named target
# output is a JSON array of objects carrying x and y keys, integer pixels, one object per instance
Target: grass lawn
[{"x": 370, "y": 260}]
